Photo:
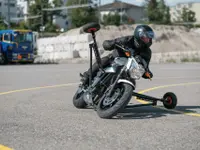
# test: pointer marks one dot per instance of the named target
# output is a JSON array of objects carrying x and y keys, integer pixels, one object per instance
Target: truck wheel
[{"x": 4, "y": 59}]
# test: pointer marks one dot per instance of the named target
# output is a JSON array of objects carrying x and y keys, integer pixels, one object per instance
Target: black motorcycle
[{"x": 112, "y": 88}]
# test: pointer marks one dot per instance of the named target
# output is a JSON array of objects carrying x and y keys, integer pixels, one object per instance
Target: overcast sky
[{"x": 139, "y": 2}]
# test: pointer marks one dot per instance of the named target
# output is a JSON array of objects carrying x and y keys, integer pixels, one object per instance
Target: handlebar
[
  {"x": 126, "y": 49},
  {"x": 138, "y": 59}
]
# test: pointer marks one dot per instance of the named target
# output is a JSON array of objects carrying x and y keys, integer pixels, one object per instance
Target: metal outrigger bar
[{"x": 151, "y": 99}]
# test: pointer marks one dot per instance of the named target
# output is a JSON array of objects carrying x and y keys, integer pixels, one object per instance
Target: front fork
[{"x": 126, "y": 67}]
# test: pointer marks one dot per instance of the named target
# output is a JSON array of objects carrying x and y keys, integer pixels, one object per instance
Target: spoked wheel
[
  {"x": 78, "y": 100},
  {"x": 170, "y": 100},
  {"x": 110, "y": 106}
]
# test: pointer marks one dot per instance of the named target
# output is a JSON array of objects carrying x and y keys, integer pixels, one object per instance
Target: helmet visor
[
  {"x": 146, "y": 37},
  {"x": 150, "y": 34}
]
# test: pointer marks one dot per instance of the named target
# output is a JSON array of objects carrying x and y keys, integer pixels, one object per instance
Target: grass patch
[
  {"x": 171, "y": 60},
  {"x": 185, "y": 59},
  {"x": 193, "y": 59}
]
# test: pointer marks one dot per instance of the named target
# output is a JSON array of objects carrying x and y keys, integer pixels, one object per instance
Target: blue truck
[{"x": 17, "y": 46}]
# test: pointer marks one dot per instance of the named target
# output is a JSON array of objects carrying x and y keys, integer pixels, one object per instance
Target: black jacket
[{"x": 128, "y": 41}]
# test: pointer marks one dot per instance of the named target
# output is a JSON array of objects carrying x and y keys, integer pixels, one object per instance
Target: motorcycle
[{"x": 112, "y": 88}]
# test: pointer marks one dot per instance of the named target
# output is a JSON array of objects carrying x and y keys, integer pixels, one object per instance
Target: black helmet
[{"x": 143, "y": 36}]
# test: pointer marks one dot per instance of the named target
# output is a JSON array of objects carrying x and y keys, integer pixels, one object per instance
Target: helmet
[{"x": 143, "y": 36}]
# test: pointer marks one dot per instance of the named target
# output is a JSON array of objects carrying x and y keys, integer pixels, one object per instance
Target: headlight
[{"x": 136, "y": 72}]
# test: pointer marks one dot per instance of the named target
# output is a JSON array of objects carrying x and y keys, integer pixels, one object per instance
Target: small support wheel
[{"x": 169, "y": 100}]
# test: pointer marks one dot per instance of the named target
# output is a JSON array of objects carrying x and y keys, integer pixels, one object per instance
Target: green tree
[
  {"x": 167, "y": 19},
  {"x": 81, "y": 16},
  {"x": 111, "y": 19},
  {"x": 188, "y": 15},
  {"x": 157, "y": 11},
  {"x": 164, "y": 12},
  {"x": 161, "y": 9},
  {"x": 36, "y": 9},
  {"x": 152, "y": 10},
  {"x": 2, "y": 24}
]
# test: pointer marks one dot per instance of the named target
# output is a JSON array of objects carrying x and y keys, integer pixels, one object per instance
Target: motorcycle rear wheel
[
  {"x": 107, "y": 112},
  {"x": 78, "y": 100}
]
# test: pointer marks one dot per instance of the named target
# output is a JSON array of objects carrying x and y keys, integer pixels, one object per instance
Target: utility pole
[
  {"x": 42, "y": 22},
  {"x": 28, "y": 22},
  {"x": 8, "y": 2},
  {"x": 42, "y": 13},
  {"x": 121, "y": 12},
  {"x": 99, "y": 12}
]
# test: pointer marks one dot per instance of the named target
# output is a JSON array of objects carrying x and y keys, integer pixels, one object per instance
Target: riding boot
[
  {"x": 95, "y": 68},
  {"x": 85, "y": 76}
]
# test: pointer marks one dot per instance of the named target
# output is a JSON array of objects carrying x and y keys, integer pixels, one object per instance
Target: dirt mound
[{"x": 168, "y": 38}]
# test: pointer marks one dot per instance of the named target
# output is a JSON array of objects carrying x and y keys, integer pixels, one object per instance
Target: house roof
[{"x": 117, "y": 5}]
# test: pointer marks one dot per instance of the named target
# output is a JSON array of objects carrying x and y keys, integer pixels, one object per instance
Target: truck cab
[{"x": 16, "y": 46}]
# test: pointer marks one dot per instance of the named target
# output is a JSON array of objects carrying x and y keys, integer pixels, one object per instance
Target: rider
[{"x": 140, "y": 41}]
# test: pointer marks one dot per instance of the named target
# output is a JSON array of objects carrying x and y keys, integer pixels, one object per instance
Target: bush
[
  {"x": 193, "y": 59},
  {"x": 185, "y": 59},
  {"x": 171, "y": 60},
  {"x": 111, "y": 19}
]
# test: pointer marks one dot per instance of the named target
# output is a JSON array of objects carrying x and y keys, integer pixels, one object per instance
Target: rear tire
[
  {"x": 124, "y": 98},
  {"x": 78, "y": 100}
]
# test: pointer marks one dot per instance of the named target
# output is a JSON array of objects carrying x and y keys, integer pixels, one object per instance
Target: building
[
  {"x": 23, "y": 10},
  {"x": 8, "y": 12},
  {"x": 176, "y": 10},
  {"x": 133, "y": 12}
]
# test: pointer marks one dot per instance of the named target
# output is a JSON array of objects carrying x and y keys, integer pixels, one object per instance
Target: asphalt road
[{"x": 44, "y": 118}]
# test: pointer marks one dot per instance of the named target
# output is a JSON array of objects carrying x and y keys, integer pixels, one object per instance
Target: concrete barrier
[{"x": 63, "y": 47}]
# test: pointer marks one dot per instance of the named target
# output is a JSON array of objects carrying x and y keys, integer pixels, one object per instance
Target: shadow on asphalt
[{"x": 153, "y": 112}]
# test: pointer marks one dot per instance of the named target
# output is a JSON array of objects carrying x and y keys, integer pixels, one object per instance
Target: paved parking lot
[{"x": 36, "y": 111}]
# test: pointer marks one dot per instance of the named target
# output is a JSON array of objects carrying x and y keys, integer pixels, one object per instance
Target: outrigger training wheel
[{"x": 169, "y": 100}]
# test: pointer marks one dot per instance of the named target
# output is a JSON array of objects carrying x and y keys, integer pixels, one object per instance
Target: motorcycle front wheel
[{"x": 110, "y": 106}]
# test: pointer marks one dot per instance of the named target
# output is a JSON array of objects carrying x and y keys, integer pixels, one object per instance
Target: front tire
[
  {"x": 107, "y": 112},
  {"x": 78, "y": 100}
]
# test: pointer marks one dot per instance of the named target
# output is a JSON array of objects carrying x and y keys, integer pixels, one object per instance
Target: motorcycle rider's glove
[{"x": 148, "y": 75}]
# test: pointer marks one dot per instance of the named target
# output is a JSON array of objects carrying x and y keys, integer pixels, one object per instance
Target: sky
[{"x": 139, "y": 2}]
